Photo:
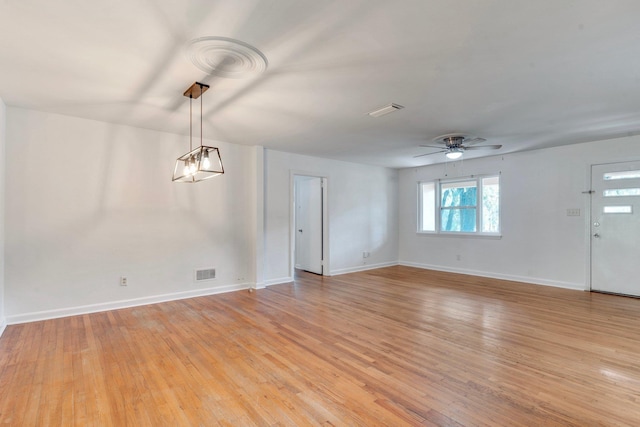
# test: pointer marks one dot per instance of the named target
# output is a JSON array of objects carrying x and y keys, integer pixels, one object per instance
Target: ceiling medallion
[{"x": 225, "y": 57}]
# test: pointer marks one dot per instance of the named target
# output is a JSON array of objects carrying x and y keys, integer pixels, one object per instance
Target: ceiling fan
[{"x": 454, "y": 144}]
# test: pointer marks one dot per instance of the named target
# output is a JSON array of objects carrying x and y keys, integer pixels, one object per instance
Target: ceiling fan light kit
[{"x": 454, "y": 154}]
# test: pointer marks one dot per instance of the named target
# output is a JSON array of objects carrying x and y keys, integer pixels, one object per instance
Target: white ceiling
[{"x": 521, "y": 73}]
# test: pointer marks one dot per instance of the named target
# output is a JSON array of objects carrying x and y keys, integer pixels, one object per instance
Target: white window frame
[{"x": 438, "y": 208}]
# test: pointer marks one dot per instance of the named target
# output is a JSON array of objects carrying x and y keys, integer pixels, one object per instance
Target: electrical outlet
[
  {"x": 573, "y": 212},
  {"x": 123, "y": 281}
]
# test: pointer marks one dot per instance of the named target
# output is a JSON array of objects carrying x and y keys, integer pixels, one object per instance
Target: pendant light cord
[
  {"x": 190, "y": 122},
  {"x": 201, "y": 96}
]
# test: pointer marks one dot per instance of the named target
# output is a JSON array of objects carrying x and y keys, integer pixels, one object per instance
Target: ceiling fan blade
[
  {"x": 473, "y": 141},
  {"x": 432, "y": 146},
  {"x": 482, "y": 147},
  {"x": 428, "y": 154}
]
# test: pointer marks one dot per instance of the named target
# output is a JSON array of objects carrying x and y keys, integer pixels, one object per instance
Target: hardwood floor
[{"x": 394, "y": 346}]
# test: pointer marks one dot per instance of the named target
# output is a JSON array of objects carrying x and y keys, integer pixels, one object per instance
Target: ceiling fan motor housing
[{"x": 454, "y": 141}]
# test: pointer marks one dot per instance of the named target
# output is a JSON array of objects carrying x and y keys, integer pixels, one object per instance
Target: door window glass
[
  {"x": 621, "y": 192},
  {"x": 621, "y": 175},
  {"x": 617, "y": 209}
]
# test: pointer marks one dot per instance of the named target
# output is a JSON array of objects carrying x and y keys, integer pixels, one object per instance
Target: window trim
[{"x": 438, "y": 207}]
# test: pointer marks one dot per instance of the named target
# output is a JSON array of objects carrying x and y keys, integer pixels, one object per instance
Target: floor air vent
[{"x": 205, "y": 274}]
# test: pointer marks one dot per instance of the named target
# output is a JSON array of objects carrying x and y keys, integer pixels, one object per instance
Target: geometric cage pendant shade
[
  {"x": 197, "y": 165},
  {"x": 203, "y": 162}
]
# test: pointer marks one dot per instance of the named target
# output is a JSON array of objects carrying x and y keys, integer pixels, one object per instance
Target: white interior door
[
  {"x": 308, "y": 220},
  {"x": 615, "y": 228}
]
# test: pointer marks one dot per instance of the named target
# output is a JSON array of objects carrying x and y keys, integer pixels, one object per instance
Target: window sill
[{"x": 464, "y": 235}]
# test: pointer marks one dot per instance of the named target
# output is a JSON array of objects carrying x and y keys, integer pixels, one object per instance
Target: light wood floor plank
[{"x": 394, "y": 346}]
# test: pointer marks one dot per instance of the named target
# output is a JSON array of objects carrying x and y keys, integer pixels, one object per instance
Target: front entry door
[{"x": 615, "y": 228}]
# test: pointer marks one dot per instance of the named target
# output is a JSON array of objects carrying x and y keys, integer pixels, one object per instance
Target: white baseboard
[
  {"x": 514, "y": 278},
  {"x": 115, "y": 305},
  {"x": 278, "y": 281},
  {"x": 362, "y": 268},
  {"x": 256, "y": 286}
]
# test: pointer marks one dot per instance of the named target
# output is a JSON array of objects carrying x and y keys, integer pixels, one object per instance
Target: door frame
[
  {"x": 588, "y": 205},
  {"x": 325, "y": 220}
]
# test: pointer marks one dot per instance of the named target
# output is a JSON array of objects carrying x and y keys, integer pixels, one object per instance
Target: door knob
[
  {"x": 300, "y": 231},
  {"x": 596, "y": 235}
]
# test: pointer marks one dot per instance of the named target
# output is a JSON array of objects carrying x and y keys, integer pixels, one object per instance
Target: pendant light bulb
[
  {"x": 187, "y": 170},
  {"x": 206, "y": 163},
  {"x": 192, "y": 167}
]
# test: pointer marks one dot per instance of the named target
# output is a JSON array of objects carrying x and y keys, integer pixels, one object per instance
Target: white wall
[
  {"x": 88, "y": 202},
  {"x": 540, "y": 243},
  {"x": 362, "y": 213},
  {"x": 3, "y": 112}
]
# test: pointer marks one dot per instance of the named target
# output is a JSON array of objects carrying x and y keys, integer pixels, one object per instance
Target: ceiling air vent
[
  {"x": 385, "y": 110},
  {"x": 205, "y": 274}
]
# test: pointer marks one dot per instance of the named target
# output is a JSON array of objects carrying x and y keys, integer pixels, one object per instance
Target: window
[
  {"x": 428, "y": 203},
  {"x": 458, "y": 206},
  {"x": 464, "y": 206}
]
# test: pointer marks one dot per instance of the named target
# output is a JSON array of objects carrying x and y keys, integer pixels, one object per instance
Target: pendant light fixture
[{"x": 203, "y": 162}]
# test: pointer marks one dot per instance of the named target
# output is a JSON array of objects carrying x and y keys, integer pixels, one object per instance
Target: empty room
[{"x": 337, "y": 213}]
